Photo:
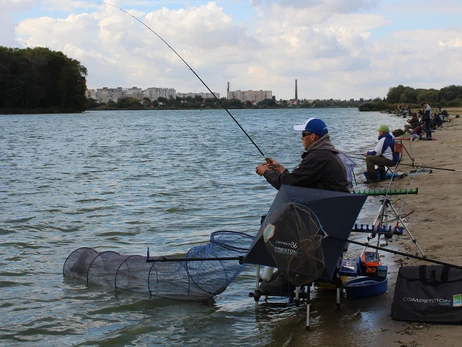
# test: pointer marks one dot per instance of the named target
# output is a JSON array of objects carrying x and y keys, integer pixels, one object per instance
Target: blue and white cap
[{"x": 313, "y": 125}]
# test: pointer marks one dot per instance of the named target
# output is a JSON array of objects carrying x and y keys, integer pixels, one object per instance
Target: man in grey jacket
[{"x": 320, "y": 168}]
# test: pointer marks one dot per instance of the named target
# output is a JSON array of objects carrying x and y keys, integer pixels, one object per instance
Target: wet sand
[{"x": 433, "y": 217}]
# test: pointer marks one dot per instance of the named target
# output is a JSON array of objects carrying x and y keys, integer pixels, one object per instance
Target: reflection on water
[{"x": 125, "y": 181}]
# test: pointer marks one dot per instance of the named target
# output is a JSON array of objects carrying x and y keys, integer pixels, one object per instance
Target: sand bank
[{"x": 434, "y": 219}]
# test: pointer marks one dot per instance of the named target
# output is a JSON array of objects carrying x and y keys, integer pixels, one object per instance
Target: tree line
[
  {"x": 198, "y": 102},
  {"x": 450, "y": 96},
  {"x": 39, "y": 80}
]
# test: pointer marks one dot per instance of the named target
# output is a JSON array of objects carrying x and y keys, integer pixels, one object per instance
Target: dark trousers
[
  {"x": 428, "y": 129},
  {"x": 381, "y": 162}
]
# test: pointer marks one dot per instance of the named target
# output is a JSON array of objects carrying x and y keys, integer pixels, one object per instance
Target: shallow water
[{"x": 125, "y": 181}]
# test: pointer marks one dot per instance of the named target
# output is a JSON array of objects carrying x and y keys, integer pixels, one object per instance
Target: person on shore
[
  {"x": 320, "y": 168},
  {"x": 427, "y": 118},
  {"x": 413, "y": 122},
  {"x": 444, "y": 114},
  {"x": 437, "y": 121},
  {"x": 417, "y": 132},
  {"x": 382, "y": 155}
]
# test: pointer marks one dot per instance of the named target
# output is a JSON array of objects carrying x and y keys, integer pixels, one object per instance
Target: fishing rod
[
  {"x": 165, "y": 259},
  {"x": 192, "y": 70},
  {"x": 433, "y": 168},
  {"x": 412, "y": 165},
  {"x": 241, "y": 258},
  {"x": 397, "y": 252}
]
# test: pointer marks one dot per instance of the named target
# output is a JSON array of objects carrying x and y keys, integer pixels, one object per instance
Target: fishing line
[{"x": 190, "y": 68}]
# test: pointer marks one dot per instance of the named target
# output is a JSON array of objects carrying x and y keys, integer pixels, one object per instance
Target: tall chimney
[{"x": 296, "y": 91}]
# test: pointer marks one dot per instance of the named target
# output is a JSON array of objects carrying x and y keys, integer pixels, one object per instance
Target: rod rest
[
  {"x": 386, "y": 192},
  {"x": 379, "y": 229}
]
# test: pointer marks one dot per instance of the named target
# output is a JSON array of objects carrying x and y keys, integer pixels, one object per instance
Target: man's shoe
[
  {"x": 370, "y": 181},
  {"x": 276, "y": 287}
]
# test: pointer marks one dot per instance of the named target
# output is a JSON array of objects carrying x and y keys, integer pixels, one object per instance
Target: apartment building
[
  {"x": 109, "y": 94},
  {"x": 106, "y": 94},
  {"x": 202, "y": 95},
  {"x": 154, "y": 93},
  {"x": 253, "y": 96}
]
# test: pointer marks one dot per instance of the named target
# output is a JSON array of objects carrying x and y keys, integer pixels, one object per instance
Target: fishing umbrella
[{"x": 294, "y": 236}]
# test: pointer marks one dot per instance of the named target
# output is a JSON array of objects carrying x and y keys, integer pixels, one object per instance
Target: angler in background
[
  {"x": 427, "y": 119},
  {"x": 320, "y": 168},
  {"x": 382, "y": 155},
  {"x": 437, "y": 121},
  {"x": 412, "y": 123},
  {"x": 417, "y": 132}
]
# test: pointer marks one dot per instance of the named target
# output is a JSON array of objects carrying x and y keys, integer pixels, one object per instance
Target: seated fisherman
[
  {"x": 320, "y": 168},
  {"x": 445, "y": 114},
  {"x": 437, "y": 121},
  {"x": 412, "y": 123},
  {"x": 417, "y": 132},
  {"x": 382, "y": 155}
]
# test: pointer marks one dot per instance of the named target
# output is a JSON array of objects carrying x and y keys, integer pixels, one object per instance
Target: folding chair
[{"x": 393, "y": 171}]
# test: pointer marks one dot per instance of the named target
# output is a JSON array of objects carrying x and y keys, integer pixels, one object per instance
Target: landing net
[
  {"x": 349, "y": 167},
  {"x": 200, "y": 275}
]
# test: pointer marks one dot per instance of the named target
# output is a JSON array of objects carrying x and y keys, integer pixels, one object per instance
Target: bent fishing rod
[{"x": 192, "y": 70}]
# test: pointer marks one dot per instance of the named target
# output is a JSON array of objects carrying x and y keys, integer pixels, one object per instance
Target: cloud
[
  {"x": 7, "y": 27},
  {"x": 7, "y": 23},
  {"x": 333, "y": 48},
  {"x": 332, "y": 6}
]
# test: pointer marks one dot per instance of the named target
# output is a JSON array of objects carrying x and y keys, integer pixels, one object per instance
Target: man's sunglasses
[{"x": 306, "y": 133}]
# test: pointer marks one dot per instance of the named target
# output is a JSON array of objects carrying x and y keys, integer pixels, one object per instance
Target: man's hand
[
  {"x": 260, "y": 169},
  {"x": 270, "y": 164}
]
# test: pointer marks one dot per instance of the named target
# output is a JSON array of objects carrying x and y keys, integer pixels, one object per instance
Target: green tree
[
  {"x": 450, "y": 93},
  {"x": 234, "y": 103},
  {"x": 409, "y": 96},
  {"x": 431, "y": 96},
  {"x": 92, "y": 103},
  {"x": 39, "y": 78},
  {"x": 162, "y": 100},
  {"x": 394, "y": 94}
]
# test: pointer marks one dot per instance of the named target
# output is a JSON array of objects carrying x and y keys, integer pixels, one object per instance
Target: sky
[{"x": 340, "y": 49}]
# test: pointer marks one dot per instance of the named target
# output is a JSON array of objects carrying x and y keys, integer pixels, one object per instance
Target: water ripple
[{"x": 126, "y": 181}]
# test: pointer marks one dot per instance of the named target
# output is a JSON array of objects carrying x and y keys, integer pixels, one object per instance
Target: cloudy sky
[{"x": 334, "y": 48}]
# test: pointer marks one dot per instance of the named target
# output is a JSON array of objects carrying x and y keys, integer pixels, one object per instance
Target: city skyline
[{"x": 334, "y": 48}]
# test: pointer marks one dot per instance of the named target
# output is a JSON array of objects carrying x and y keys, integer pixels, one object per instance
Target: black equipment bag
[{"x": 428, "y": 294}]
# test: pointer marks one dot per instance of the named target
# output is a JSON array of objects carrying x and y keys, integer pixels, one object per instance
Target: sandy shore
[{"x": 434, "y": 219}]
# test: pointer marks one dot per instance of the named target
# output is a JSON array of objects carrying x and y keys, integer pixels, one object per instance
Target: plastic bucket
[{"x": 364, "y": 287}]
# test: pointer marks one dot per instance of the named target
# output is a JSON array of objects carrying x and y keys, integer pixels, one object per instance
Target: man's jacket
[
  {"x": 386, "y": 148},
  {"x": 320, "y": 168}
]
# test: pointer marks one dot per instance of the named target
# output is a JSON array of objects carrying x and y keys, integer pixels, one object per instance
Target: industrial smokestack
[{"x": 296, "y": 91}]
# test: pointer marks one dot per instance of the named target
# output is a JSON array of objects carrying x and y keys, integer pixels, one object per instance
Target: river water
[{"x": 128, "y": 180}]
